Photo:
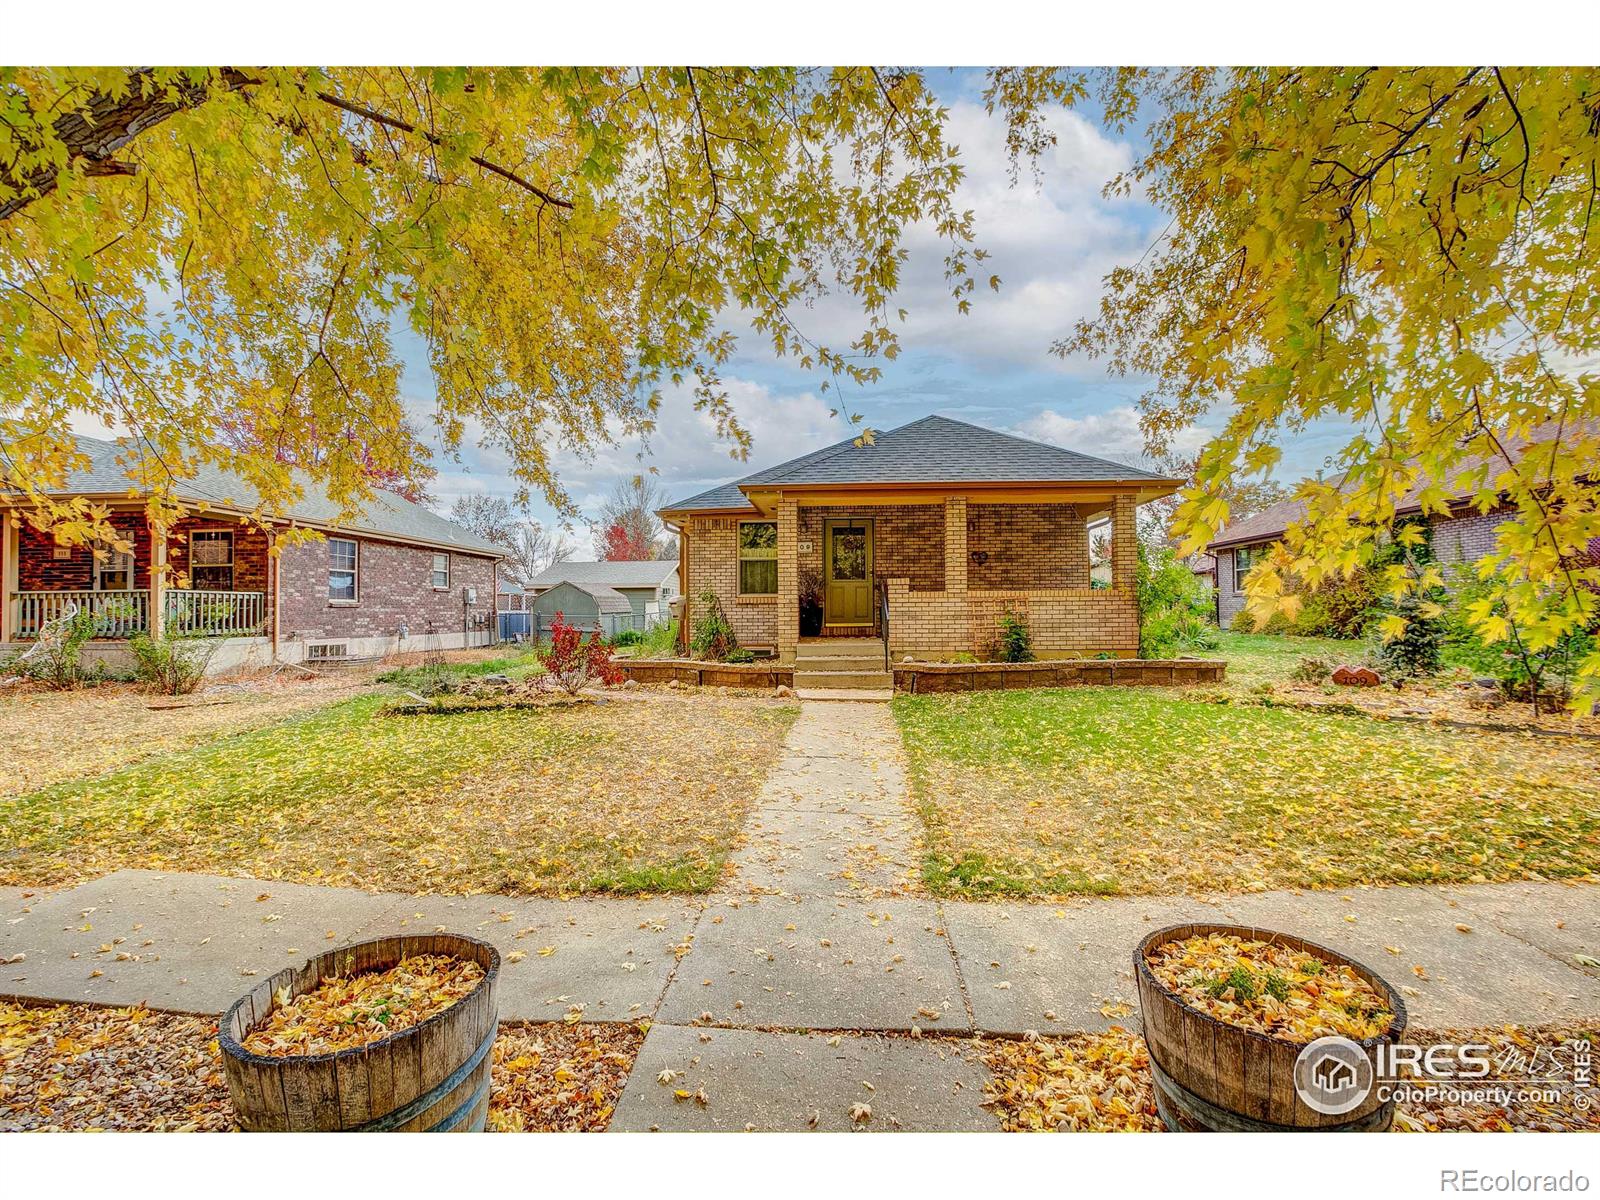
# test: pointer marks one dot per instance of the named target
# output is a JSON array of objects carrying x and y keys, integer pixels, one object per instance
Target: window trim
[
  {"x": 231, "y": 564},
  {"x": 102, "y": 562},
  {"x": 355, "y": 571},
  {"x": 1254, "y": 552},
  {"x": 433, "y": 570},
  {"x": 740, "y": 559}
]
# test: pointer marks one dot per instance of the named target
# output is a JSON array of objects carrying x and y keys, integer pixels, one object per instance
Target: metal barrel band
[
  {"x": 1181, "y": 1100},
  {"x": 432, "y": 1096},
  {"x": 459, "y": 1117}
]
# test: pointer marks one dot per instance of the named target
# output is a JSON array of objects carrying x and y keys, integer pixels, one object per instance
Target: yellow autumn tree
[
  {"x": 1411, "y": 251},
  {"x": 239, "y": 248}
]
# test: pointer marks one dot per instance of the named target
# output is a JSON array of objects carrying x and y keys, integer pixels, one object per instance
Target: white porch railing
[
  {"x": 119, "y": 614},
  {"x": 214, "y": 614}
]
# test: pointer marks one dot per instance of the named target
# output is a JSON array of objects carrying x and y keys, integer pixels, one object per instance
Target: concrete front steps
[{"x": 842, "y": 669}]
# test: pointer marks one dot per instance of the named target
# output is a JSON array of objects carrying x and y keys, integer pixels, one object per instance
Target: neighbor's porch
[{"x": 202, "y": 575}]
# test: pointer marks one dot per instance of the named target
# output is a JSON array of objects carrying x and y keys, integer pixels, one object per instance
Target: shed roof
[{"x": 607, "y": 600}]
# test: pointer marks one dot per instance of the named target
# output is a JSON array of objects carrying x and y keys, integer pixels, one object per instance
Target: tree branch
[{"x": 96, "y": 131}]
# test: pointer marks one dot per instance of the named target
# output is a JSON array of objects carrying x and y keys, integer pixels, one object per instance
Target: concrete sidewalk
[{"x": 821, "y": 928}]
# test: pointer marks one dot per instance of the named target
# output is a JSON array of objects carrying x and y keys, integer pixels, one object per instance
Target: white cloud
[
  {"x": 1050, "y": 244},
  {"x": 1113, "y": 434}
]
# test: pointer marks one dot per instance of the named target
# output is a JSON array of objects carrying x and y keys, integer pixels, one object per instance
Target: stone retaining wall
[{"x": 950, "y": 677}]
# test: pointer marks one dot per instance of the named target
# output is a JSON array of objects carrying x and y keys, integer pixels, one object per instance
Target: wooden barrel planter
[
  {"x": 1210, "y": 1075},
  {"x": 431, "y": 1077}
]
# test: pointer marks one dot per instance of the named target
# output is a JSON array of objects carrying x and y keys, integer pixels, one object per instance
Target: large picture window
[
  {"x": 344, "y": 565},
  {"x": 758, "y": 558},
  {"x": 211, "y": 560}
]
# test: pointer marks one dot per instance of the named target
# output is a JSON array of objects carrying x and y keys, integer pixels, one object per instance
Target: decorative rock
[
  {"x": 783, "y": 690},
  {"x": 1356, "y": 677},
  {"x": 629, "y": 684},
  {"x": 500, "y": 680}
]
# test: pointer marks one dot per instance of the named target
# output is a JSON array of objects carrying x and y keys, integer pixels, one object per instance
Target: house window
[
  {"x": 113, "y": 569},
  {"x": 1244, "y": 558},
  {"x": 441, "y": 572},
  {"x": 344, "y": 561},
  {"x": 758, "y": 558},
  {"x": 211, "y": 560}
]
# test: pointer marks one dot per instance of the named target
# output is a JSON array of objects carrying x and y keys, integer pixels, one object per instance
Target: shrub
[
  {"x": 1312, "y": 669},
  {"x": 56, "y": 657},
  {"x": 1015, "y": 642},
  {"x": 712, "y": 637},
  {"x": 574, "y": 664},
  {"x": 172, "y": 666},
  {"x": 741, "y": 655},
  {"x": 1416, "y": 652},
  {"x": 660, "y": 642},
  {"x": 627, "y": 637},
  {"x": 1174, "y": 605}
]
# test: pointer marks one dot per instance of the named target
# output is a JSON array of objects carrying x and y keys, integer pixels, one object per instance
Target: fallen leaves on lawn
[
  {"x": 553, "y": 802},
  {"x": 346, "y": 1011},
  {"x": 82, "y": 1067},
  {"x": 1269, "y": 988},
  {"x": 1102, "y": 790}
]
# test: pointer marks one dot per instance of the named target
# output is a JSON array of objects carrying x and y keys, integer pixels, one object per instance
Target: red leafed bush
[{"x": 571, "y": 663}]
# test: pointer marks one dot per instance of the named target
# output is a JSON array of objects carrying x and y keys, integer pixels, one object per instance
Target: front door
[{"x": 847, "y": 572}]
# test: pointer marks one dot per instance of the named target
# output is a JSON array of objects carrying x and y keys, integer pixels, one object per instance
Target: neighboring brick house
[
  {"x": 397, "y": 577},
  {"x": 919, "y": 542},
  {"x": 1458, "y": 538}
]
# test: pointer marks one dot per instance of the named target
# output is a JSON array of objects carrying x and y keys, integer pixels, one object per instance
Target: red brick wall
[
  {"x": 1026, "y": 546},
  {"x": 249, "y": 552},
  {"x": 394, "y": 588},
  {"x": 38, "y": 569}
]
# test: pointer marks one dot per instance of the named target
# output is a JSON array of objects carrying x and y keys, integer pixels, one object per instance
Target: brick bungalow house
[
  {"x": 918, "y": 543},
  {"x": 397, "y": 577},
  {"x": 1459, "y": 537}
]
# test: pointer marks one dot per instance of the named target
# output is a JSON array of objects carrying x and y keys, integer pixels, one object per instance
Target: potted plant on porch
[{"x": 810, "y": 594}]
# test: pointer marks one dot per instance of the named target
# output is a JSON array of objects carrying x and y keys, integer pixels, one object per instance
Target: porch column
[
  {"x": 9, "y": 543},
  {"x": 788, "y": 580},
  {"x": 158, "y": 579},
  {"x": 955, "y": 544},
  {"x": 1124, "y": 543}
]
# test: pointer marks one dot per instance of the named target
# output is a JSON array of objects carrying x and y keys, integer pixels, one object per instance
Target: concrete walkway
[{"x": 820, "y": 929}]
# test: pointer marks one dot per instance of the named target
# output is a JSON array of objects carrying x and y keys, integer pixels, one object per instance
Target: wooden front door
[{"x": 847, "y": 572}]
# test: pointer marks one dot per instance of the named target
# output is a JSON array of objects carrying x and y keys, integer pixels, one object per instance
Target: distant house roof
[
  {"x": 637, "y": 573},
  {"x": 1203, "y": 564},
  {"x": 1270, "y": 523},
  {"x": 607, "y": 600},
  {"x": 509, "y": 587},
  {"x": 385, "y": 515},
  {"x": 933, "y": 450}
]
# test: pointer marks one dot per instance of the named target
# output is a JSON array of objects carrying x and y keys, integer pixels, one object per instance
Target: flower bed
[{"x": 916, "y": 677}]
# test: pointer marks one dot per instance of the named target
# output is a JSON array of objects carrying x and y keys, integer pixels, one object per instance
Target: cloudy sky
[{"x": 1051, "y": 244}]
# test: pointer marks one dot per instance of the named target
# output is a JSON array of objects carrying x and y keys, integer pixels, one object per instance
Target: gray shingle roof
[
  {"x": 386, "y": 515},
  {"x": 645, "y": 573},
  {"x": 935, "y": 450}
]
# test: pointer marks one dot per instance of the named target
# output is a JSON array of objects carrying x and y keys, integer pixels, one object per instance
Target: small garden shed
[{"x": 586, "y": 605}]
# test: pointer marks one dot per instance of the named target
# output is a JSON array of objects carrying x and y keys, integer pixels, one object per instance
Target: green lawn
[
  {"x": 1143, "y": 790},
  {"x": 1257, "y": 658},
  {"x": 640, "y": 795}
]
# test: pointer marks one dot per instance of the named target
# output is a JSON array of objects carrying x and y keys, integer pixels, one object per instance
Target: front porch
[
  {"x": 200, "y": 577},
  {"x": 929, "y": 574}
]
